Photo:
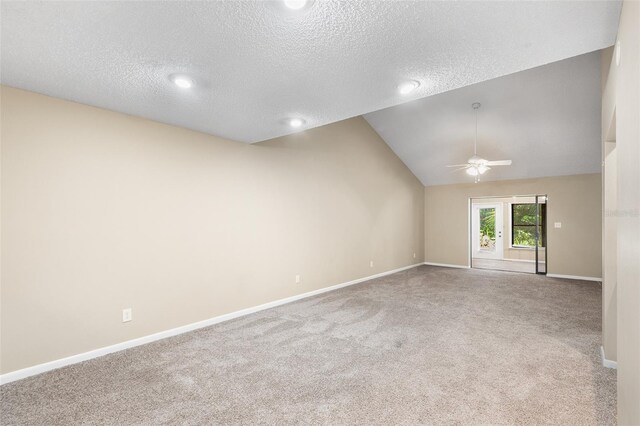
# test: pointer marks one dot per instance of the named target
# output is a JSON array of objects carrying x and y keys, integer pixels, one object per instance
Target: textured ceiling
[
  {"x": 256, "y": 63},
  {"x": 546, "y": 119}
]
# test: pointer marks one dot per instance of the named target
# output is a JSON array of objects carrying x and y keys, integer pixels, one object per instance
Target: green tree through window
[
  {"x": 488, "y": 222},
  {"x": 487, "y": 228},
  {"x": 523, "y": 225}
]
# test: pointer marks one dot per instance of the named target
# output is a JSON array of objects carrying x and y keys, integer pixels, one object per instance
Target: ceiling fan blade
[
  {"x": 458, "y": 165},
  {"x": 499, "y": 163},
  {"x": 466, "y": 166}
]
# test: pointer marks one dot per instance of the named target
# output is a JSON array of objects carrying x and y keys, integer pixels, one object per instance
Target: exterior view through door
[{"x": 509, "y": 233}]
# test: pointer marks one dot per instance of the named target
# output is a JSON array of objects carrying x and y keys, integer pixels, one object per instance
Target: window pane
[
  {"x": 524, "y": 214},
  {"x": 488, "y": 229},
  {"x": 525, "y": 236}
]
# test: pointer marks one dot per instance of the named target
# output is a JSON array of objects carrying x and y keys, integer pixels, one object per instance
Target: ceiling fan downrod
[{"x": 476, "y": 107}]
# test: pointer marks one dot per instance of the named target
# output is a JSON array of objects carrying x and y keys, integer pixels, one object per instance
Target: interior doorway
[{"x": 509, "y": 233}]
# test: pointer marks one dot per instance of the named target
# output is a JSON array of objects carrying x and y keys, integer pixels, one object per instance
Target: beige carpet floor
[{"x": 426, "y": 346}]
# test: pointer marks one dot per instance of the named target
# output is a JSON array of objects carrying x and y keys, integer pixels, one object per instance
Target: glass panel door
[
  {"x": 487, "y": 231},
  {"x": 541, "y": 234}
]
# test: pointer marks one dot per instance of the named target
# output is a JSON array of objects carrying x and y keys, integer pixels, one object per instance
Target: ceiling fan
[{"x": 476, "y": 165}]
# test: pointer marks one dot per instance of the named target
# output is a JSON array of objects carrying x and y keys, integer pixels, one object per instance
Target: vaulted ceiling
[
  {"x": 546, "y": 120},
  {"x": 254, "y": 65}
]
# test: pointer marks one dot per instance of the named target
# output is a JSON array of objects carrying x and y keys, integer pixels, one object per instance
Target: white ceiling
[
  {"x": 256, "y": 63},
  {"x": 546, "y": 119}
]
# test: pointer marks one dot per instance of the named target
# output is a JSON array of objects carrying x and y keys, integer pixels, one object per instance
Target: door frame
[{"x": 470, "y": 228}]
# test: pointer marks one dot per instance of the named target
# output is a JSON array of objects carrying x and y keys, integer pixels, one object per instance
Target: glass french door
[{"x": 487, "y": 231}]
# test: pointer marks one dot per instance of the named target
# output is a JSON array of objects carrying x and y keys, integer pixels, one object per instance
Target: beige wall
[
  {"x": 575, "y": 201},
  {"x": 627, "y": 113},
  {"x": 102, "y": 211}
]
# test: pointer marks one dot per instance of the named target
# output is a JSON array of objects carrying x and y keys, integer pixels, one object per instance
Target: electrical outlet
[
  {"x": 371, "y": 264},
  {"x": 126, "y": 315},
  {"x": 297, "y": 279},
  {"x": 557, "y": 224},
  {"x": 414, "y": 255}
]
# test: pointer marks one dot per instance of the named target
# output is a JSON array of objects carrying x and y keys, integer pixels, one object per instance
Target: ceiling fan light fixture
[{"x": 477, "y": 165}]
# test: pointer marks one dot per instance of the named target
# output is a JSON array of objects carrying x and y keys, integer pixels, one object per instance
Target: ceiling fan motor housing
[{"x": 475, "y": 160}]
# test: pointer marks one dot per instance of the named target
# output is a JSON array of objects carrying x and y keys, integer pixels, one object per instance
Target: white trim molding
[
  {"x": 574, "y": 277},
  {"x": 74, "y": 359},
  {"x": 520, "y": 260},
  {"x": 446, "y": 265},
  {"x": 607, "y": 362}
]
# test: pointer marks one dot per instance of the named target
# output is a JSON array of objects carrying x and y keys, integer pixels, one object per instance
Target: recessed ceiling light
[
  {"x": 182, "y": 81},
  {"x": 296, "y": 122},
  {"x": 295, "y": 4},
  {"x": 408, "y": 87}
]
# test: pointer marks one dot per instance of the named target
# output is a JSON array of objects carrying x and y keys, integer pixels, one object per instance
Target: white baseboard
[
  {"x": 606, "y": 362},
  {"x": 574, "y": 277},
  {"x": 74, "y": 359},
  {"x": 446, "y": 265}
]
